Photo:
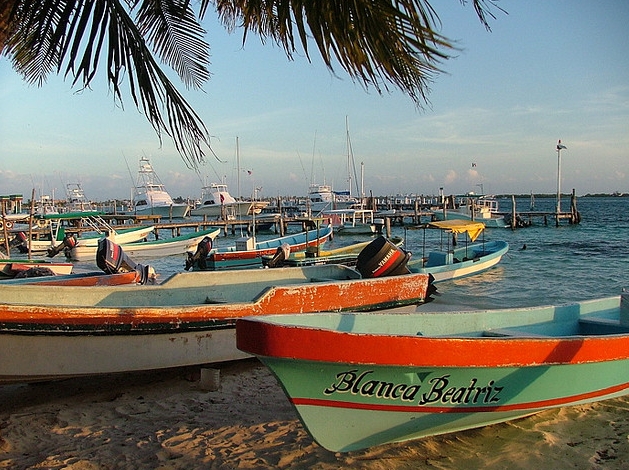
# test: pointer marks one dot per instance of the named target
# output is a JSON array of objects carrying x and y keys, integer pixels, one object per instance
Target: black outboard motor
[
  {"x": 68, "y": 242},
  {"x": 282, "y": 252},
  {"x": 203, "y": 249},
  {"x": 382, "y": 258},
  {"x": 111, "y": 258}
]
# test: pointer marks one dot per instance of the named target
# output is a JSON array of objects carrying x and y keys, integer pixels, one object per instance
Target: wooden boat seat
[
  {"x": 601, "y": 326},
  {"x": 506, "y": 332}
]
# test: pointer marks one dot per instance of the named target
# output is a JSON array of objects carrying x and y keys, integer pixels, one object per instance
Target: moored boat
[
  {"x": 346, "y": 255},
  {"x": 217, "y": 203},
  {"x": 247, "y": 252},
  {"x": 188, "y": 319},
  {"x": 458, "y": 258},
  {"x": 361, "y": 380},
  {"x": 178, "y": 245},
  {"x": 151, "y": 197},
  {"x": 55, "y": 229},
  {"x": 474, "y": 207},
  {"x": 12, "y": 267}
]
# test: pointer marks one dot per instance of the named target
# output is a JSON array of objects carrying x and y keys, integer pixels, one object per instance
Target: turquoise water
[{"x": 559, "y": 265}]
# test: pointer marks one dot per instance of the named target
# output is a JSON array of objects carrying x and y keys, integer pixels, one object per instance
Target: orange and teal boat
[{"x": 361, "y": 380}]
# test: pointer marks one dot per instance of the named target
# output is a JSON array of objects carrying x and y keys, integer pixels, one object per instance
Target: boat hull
[
  {"x": 151, "y": 249},
  {"x": 490, "y": 221},
  {"x": 217, "y": 211},
  {"x": 483, "y": 256},
  {"x": 421, "y": 402},
  {"x": 363, "y": 380},
  {"x": 175, "y": 211},
  {"x": 231, "y": 257},
  {"x": 48, "y": 357},
  {"x": 190, "y": 316}
]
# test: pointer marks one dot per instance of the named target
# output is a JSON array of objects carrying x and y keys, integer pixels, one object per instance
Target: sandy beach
[{"x": 165, "y": 420}]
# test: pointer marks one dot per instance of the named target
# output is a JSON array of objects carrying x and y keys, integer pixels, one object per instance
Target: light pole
[{"x": 560, "y": 147}]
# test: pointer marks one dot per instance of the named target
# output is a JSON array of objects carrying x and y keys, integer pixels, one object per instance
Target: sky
[{"x": 548, "y": 70}]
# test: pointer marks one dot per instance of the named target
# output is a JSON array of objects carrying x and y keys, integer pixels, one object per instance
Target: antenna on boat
[{"x": 130, "y": 176}]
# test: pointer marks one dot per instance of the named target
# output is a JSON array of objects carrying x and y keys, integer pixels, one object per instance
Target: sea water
[{"x": 545, "y": 264}]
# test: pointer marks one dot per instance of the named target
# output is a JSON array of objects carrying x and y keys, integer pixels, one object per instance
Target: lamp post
[{"x": 560, "y": 147}]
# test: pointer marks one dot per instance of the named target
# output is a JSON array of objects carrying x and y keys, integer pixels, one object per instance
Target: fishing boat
[
  {"x": 475, "y": 207},
  {"x": 188, "y": 319},
  {"x": 458, "y": 258},
  {"x": 116, "y": 269},
  {"x": 247, "y": 252},
  {"x": 85, "y": 279},
  {"x": 346, "y": 255},
  {"x": 54, "y": 229},
  {"x": 151, "y": 197},
  {"x": 12, "y": 267},
  {"x": 361, "y": 380},
  {"x": 76, "y": 201},
  {"x": 217, "y": 203},
  {"x": 160, "y": 248}
]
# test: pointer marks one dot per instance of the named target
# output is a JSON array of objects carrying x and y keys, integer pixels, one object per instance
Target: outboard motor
[
  {"x": 111, "y": 258},
  {"x": 68, "y": 242},
  {"x": 382, "y": 258},
  {"x": 203, "y": 249},
  {"x": 282, "y": 252}
]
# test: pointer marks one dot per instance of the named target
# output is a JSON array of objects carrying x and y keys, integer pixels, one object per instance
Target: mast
[{"x": 238, "y": 167}]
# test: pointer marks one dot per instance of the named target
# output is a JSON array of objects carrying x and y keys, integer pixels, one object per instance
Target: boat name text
[{"x": 436, "y": 390}]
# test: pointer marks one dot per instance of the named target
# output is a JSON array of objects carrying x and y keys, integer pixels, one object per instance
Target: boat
[
  {"x": 12, "y": 267},
  {"x": 247, "y": 252},
  {"x": 346, "y": 255},
  {"x": 457, "y": 259},
  {"x": 351, "y": 221},
  {"x": 481, "y": 208},
  {"x": 188, "y": 319},
  {"x": 76, "y": 201},
  {"x": 151, "y": 197},
  {"x": 116, "y": 266},
  {"x": 359, "y": 380},
  {"x": 160, "y": 248},
  {"x": 85, "y": 279},
  {"x": 55, "y": 229},
  {"x": 217, "y": 203}
]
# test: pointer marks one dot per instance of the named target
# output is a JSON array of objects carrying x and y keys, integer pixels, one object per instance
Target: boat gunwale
[{"x": 264, "y": 337}]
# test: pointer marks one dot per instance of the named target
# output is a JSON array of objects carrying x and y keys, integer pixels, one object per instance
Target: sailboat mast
[
  {"x": 238, "y": 167},
  {"x": 349, "y": 157}
]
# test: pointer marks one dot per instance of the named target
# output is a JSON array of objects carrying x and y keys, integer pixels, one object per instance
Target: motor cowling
[
  {"x": 382, "y": 258},
  {"x": 111, "y": 259},
  {"x": 68, "y": 242},
  {"x": 199, "y": 257}
]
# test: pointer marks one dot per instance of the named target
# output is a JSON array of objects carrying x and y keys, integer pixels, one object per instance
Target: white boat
[
  {"x": 151, "y": 196},
  {"x": 474, "y": 207},
  {"x": 351, "y": 221},
  {"x": 76, "y": 200},
  {"x": 54, "y": 230},
  {"x": 179, "y": 245},
  {"x": 217, "y": 203}
]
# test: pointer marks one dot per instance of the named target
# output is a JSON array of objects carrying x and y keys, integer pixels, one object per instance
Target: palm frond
[
  {"x": 377, "y": 42},
  {"x": 72, "y": 36}
]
